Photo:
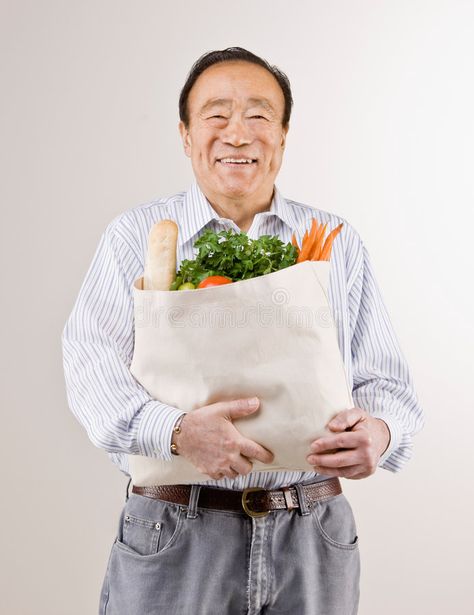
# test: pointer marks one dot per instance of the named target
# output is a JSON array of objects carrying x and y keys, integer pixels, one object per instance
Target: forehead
[{"x": 238, "y": 81}]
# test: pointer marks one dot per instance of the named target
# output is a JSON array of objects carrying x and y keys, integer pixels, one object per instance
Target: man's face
[{"x": 235, "y": 114}]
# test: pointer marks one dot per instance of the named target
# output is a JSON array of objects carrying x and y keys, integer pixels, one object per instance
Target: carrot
[
  {"x": 303, "y": 255},
  {"x": 304, "y": 248},
  {"x": 308, "y": 243},
  {"x": 318, "y": 243},
  {"x": 294, "y": 242},
  {"x": 303, "y": 245},
  {"x": 312, "y": 233},
  {"x": 304, "y": 240},
  {"x": 325, "y": 254}
]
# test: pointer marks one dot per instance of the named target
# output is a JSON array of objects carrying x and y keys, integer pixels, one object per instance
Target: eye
[
  {"x": 257, "y": 117},
  {"x": 219, "y": 117}
]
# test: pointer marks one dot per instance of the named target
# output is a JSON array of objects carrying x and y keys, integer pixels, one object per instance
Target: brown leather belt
[{"x": 256, "y": 502}]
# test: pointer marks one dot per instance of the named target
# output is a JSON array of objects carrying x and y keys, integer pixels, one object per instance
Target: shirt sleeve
[
  {"x": 98, "y": 338},
  {"x": 382, "y": 383}
]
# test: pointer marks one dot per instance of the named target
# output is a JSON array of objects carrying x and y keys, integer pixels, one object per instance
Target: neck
[{"x": 240, "y": 211}]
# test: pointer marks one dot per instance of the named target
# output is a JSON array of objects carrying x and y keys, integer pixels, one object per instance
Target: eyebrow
[
  {"x": 215, "y": 102},
  {"x": 262, "y": 102},
  {"x": 226, "y": 102}
]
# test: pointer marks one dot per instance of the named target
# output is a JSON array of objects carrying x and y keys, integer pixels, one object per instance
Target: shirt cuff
[
  {"x": 155, "y": 430},
  {"x": 396, "y": 435}
]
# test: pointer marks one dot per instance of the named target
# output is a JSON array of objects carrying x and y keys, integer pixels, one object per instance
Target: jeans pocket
[
  {"x": 141, "y": 535},
  {"x": 148, "y": 529},
  {"x": 335, "y": 522}
]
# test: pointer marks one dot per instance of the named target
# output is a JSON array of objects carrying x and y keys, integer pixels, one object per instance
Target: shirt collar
[
  {"x": 283, "y": 210},
  {"x": 198, "y": 212}
]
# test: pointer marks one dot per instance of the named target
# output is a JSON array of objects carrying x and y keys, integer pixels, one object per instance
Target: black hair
[{"x": 229, "y": 55}]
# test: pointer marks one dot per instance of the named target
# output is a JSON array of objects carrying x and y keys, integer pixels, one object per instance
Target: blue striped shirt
[{"x": 98, "y": 338}]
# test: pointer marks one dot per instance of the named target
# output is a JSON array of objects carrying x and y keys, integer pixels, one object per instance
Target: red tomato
[{"x": 214, "y": 280}]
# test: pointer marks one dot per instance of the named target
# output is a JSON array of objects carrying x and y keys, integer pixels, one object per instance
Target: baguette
[{"x": 160, "y": 264}]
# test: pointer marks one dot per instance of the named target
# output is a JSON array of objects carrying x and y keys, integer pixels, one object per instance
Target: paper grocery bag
[{"x": 271, "y": 336}]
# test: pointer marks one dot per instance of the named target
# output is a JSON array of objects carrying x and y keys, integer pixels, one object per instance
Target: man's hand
[
  {"x": 355, "y": 448},
  {"x": 209, "y": 440}
]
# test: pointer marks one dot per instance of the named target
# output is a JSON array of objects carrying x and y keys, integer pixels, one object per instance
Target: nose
[{"x": 236, "y": 133}]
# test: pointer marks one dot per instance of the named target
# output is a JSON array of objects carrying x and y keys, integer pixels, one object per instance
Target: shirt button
[{"x": 157, "y": 526}]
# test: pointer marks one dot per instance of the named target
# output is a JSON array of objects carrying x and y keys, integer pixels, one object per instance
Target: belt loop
[
  {"x": 303, "y": 509},
  {"x": 126, "y": 490},
  {"x": 193, "y": 501}
]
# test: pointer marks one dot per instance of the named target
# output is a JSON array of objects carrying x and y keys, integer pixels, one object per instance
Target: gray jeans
[{"x": 188, "y": 560}]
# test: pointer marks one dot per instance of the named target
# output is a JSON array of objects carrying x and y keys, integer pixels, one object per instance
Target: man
[{"x": 194, "y": 549}]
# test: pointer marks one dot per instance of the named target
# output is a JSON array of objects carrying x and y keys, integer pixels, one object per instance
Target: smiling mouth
[{"x": 237, "y": 162}]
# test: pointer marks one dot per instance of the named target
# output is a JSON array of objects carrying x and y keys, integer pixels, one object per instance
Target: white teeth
[{"x": 238, "y": 160}]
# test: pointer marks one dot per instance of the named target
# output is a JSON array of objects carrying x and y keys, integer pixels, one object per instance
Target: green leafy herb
[{"x": 236, "y": 256}]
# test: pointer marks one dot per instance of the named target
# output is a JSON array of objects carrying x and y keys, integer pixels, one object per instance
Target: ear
[
  {"x": 185, "y": 137},
  {"x": 284, "y": 134}
]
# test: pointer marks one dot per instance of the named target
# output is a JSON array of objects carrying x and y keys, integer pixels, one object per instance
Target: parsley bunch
[{"x": 236, "y": 256}]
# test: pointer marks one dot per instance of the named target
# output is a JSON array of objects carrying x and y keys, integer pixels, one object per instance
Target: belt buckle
[{"x": 249, "y": 511}]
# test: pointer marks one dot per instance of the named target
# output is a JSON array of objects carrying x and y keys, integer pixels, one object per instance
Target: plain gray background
[{"x": 382, "y": 134}]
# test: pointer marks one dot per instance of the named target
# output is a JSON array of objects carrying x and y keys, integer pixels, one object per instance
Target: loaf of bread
[{"x": 160, "y": 263}]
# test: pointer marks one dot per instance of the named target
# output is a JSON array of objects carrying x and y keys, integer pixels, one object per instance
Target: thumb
[{"x": 240, "y": 407}]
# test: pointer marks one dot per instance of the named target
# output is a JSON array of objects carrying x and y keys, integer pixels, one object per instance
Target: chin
[
  {"x": 236, "y": 190},
  {"x": 236, "y": 193}
]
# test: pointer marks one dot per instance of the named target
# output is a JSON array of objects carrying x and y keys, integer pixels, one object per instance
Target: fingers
[
  {"x": 353, "y": 448},
  {"x": 363, "y": 456},
  {"x": 354, "y": 472},
  {"x": 346, "y": 419},
  {"x": 242, "y": 466},
  {"x": 252, "y": 450},
  {"x": 335, "y": 460},
  {"x": 237, "y": 407},
  {"x": 345, "y": 439},
  {"x": 218, "y": 448},
  {"x": 228, "y": 473}
]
